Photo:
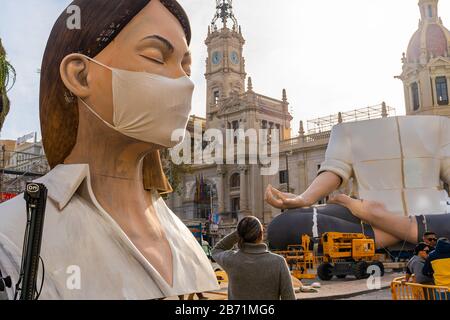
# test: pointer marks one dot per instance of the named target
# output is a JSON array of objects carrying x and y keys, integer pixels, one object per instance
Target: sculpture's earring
[{"x": 69, "y": 97}]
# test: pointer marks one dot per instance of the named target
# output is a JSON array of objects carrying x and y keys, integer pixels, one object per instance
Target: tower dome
[
  {"x": 432, "y": 39},
  {"x": 426, "y": 65}
]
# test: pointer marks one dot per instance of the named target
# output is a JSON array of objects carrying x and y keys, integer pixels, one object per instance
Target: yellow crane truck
[{"x": 347, "y": 254}]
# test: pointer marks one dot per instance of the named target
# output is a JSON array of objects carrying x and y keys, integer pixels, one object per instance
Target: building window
[
  {"x": 283, "y": 176},
  {"x": 442, "y": 90},
  {"x": 430, "y": 11},
  {"x": 235, "y": 181},
  {"x": 235, "y": 205},
  {"x": 415, "y": 96},
  {"x": 216, "y": 96}
]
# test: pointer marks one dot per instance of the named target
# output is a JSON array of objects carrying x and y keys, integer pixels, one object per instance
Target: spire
[
  {"x": 301, "y": 130},
  {"x": 284, "y": 95},
  {"x": 224, "y": 11},
  {"x": 384, "y": 112},
  {"x": 250, "y": 85}
]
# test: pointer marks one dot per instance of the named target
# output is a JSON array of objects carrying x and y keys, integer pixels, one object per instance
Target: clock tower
[{"x": 225, "y": 65}]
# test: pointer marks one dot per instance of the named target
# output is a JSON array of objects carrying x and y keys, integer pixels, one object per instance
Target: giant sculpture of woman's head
[{"x": 142, "y": 37}]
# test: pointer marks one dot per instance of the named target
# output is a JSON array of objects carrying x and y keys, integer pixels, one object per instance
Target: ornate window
[
  {"x": 415, "y": 96},
  {"x": 442, "y": 91},
  {"x": 235, "y": 181},
  {"x": 216, "y": 95}
]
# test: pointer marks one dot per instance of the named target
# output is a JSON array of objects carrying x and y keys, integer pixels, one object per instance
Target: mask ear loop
[
  {"x": 98, "y": 62},
  {"x": 98, "y": 116},
  {"x": 87, "y": 106}
]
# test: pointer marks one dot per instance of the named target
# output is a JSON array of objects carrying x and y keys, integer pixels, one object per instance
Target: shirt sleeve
[
  {"x": 445, "y": 150},
  {"x": 222, "y": 251},
  {"x": 338, "y": 157},
  {"x": 286, "y": 287},
  {"x": 408, "y": 270}
]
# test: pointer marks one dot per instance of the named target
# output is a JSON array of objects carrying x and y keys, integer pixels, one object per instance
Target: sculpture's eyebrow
[{"x": 164, "y": 41}]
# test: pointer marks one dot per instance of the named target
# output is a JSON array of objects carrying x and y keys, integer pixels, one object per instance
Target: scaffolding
[
  {"x": 18, "y": 168},
  {"x": 325, "y": 124}
]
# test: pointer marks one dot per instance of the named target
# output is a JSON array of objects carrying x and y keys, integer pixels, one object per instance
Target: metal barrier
[{"x": 402, "y": 290}]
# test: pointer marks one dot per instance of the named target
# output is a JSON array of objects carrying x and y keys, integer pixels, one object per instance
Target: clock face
[
  {"x": 234, "y": 57},
  {"x": 216, "y": 57}
]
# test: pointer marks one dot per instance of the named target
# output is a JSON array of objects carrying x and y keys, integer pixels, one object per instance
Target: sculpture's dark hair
[
  {"x": 101, "y": 22},
  {"x": 249, "y": 230}
]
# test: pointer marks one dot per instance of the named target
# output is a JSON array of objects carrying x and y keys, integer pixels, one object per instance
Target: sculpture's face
[
  {"x": 145, "y": 44},
  {"x": 153, "y": 42}
]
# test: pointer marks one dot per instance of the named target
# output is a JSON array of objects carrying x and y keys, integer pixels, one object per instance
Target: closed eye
[{"x": 153, "y": 59}]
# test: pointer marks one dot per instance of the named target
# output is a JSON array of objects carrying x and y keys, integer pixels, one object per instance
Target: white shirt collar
[{"x": 63, "y": 181}]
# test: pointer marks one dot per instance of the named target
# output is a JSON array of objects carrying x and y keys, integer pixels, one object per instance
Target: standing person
[
  {"x": 430, "y": 238},
  {"x": 438, "y": 264},
  {"x": 415, "y": 265},
  {"x": 254, "y": 272}
]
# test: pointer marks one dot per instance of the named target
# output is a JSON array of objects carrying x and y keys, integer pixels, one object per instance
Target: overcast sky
[{"x": 330, "y": 55}]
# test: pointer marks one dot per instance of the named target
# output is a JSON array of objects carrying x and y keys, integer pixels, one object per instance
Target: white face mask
[{"x": 148, "y": 107}]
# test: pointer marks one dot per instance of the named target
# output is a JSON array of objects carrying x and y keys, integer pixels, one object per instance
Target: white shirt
[
  {"x": 398, "y": 161},
  {"x": 80, "y": 236}
]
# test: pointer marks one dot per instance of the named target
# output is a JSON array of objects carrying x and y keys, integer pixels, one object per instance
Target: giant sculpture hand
[{"x": 321, "y": 187}]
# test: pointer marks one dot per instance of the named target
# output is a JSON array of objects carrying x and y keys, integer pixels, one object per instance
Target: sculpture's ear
[{"x": 74, "y": 71}]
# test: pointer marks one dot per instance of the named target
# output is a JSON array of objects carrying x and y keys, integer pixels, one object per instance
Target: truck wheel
[
  {"x": 325, "y": 271},
  {"x": 360, "y": 270},
  {"x": 341, "y": 276},
  {"x": 379, "y": 265}
]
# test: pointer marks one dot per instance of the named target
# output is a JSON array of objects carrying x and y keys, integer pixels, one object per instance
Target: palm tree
[{"x": 7, "y": 79}]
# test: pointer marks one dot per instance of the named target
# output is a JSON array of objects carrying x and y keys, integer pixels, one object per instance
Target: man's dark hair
[
  {"x": 429, "y": 233},
  {"x": 420, "y": 247}
]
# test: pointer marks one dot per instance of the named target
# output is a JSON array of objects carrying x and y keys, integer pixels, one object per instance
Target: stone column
[
  {"x": 434, "y": 95},
  {"x": 221, "y": 188},
  {"x": 243, "y": 186}
]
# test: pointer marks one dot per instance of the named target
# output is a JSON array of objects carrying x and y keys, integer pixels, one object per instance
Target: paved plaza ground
[{"x": 346, "y": 289}]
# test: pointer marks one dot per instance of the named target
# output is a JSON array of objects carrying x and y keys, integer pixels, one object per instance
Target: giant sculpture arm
[
  {"x": 334, "y": 172},
  {"x": 322, "y": 186}
]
